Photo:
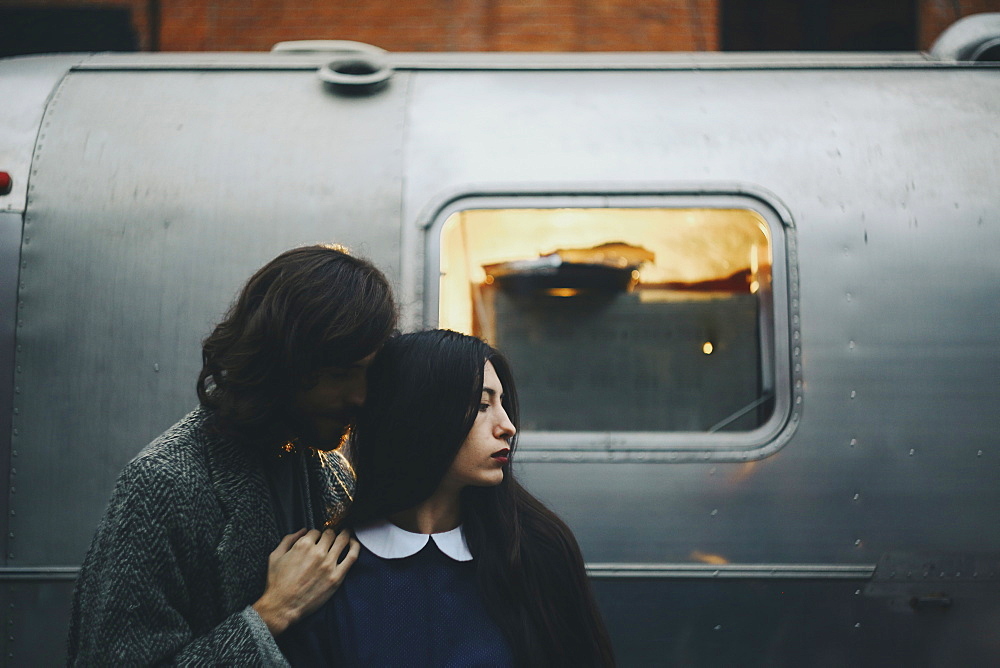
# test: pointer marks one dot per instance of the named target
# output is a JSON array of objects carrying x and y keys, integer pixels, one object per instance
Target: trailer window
[{"x": 620, "y": 319}]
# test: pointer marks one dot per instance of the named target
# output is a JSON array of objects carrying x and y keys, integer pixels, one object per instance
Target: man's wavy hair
[{"x": 309, "y": 308}]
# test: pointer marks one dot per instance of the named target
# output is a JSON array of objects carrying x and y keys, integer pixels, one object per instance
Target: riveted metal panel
[
  {"x": 896, "y": 233},
  {"x": 157, "y": 194},
  {"x": 25, "y": 86},
  {"x": 160, "y": 190},
  {"x": 36, "y": 620}
]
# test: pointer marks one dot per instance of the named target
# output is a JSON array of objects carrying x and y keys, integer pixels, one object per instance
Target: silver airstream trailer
[{"x": 753, "y": 302}]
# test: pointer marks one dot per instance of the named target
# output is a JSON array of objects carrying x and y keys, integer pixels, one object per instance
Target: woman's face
[{"x": 485, "y": 451}]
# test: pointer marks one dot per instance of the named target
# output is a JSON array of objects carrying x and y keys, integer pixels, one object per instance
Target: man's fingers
[
  {"x": 286, "y": 542},
  {"x": 339, "y": 545},
  {"x": 326, "y": 539},
  {"x": 352, "y": 553},
  {"x": 309, "y": 538}
]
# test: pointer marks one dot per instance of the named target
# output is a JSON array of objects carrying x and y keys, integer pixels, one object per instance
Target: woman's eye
[{"x": 483, "y": 408}]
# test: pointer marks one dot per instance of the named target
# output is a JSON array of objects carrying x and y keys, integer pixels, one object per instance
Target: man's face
[{"x": 330, "y": 401}]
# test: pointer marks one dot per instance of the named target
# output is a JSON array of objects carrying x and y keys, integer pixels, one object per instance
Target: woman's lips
[{"x": 501, "y": 456}]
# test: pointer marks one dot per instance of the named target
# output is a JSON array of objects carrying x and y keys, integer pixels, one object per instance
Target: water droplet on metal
[
  {"x": 912, "y": 452},
  {"x": 715, "y": 512},
  {"x": 853, "y": 394},
  {"x": 156, "y": 367}
]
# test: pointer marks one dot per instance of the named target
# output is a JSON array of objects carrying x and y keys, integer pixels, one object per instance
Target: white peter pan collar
[{"x": 385, "y": 539}]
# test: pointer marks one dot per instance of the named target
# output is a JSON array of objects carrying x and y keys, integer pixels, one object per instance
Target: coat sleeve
[{"x": 147, "y": 584}]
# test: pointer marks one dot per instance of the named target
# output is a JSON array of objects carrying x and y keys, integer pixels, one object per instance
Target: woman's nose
[{"x": 505, "y": 428}]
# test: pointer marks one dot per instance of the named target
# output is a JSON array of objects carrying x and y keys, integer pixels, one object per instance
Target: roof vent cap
[{"x": 357, "y": 68}]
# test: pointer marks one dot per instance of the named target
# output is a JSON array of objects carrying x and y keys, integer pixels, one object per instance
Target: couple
[{"x": 457, "y": 564}]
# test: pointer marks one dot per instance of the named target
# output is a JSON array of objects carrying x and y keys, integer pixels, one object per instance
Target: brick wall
[
  {"x": 455, "y": 25},
  {"x": 444, "y": 25}
]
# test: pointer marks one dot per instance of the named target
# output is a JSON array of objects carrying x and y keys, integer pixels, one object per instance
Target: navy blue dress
[{"x": 421, "y": 610}]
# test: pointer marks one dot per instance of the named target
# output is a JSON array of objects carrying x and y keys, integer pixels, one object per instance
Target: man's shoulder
[
  {"x": 187, "y": 438},
  {"x": 181, "y": 453}
]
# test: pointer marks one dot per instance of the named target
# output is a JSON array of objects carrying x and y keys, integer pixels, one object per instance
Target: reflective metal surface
[
  {"x": 25, "y": 86},
  {"x": 164, "y": 181}
]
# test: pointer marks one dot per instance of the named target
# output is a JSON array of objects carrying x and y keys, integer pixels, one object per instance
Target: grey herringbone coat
[{"x": 182, "y": 553}]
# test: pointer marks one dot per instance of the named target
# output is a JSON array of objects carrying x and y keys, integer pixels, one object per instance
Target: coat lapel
[{"x": 249, "y": 533}]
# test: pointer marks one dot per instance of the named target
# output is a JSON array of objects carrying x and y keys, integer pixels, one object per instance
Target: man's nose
[{"x": 358, "y": 392}]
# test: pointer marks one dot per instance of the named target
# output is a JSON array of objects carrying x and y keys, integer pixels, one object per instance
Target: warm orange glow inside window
[
  {"x": 690, "y": 247},
  {"x": 617, "y": 312}
]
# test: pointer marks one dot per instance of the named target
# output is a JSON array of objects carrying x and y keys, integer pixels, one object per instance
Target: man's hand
[{"x": 302, "y": 573}]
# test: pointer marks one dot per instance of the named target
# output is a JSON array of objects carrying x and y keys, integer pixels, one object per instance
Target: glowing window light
[{"x": 707, "y": 348}]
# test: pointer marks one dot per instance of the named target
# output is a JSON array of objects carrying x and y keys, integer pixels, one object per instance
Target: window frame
[{"x": 668, "y": 446}]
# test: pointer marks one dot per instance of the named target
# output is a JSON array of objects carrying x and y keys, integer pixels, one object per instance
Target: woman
[{"x": 460, "y": 565}]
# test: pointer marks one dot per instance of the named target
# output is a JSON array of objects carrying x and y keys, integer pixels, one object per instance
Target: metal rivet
[
  {"x": 912, "y": 452},
  {"x": 156, "y": 367},
  {"x": 979, "y": 453},
  {"x": 853, "y": 394},
  {"x": 854, "y": 442}
]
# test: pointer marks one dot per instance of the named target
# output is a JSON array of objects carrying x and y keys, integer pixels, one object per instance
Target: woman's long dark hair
[
  {"x": 308, "y": 308},
  {"x": 423, "y": 393}
]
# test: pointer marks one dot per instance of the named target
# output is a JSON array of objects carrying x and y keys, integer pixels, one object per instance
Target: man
[{"x": 188, "y": 565}]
